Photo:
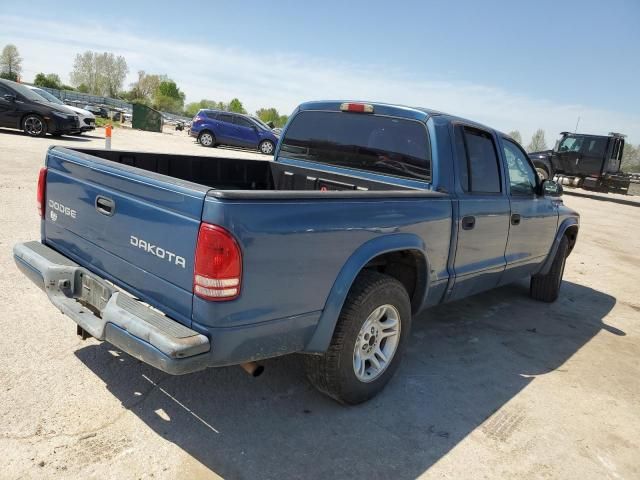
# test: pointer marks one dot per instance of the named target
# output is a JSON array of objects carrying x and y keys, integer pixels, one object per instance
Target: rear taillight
[
  {"x": 42, "y": 185},
  {"x": 218, "y": 268},
  {"x": 197, "y": 119}
]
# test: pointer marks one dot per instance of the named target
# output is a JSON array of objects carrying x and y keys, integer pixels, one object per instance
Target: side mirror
[
  {"x": 551, "y": 188},
  {"x": 9, "y": 98}
]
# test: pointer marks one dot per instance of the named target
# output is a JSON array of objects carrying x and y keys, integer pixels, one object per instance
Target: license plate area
[{"x": 94, "y": 293}]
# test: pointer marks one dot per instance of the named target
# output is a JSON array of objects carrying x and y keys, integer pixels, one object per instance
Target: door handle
[
  {"x": 468, "y": 222},
  {"x": 515, "y": 219},
  {"x": 105, "y": 205}
]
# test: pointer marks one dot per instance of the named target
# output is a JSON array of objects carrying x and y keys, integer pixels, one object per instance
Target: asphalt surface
[{"x": 494, "y": 386}]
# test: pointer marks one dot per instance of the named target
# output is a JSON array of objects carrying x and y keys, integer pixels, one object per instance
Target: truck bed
[{"x": 233, "y": 174}]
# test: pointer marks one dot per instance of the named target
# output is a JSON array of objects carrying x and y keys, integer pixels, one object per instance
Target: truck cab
[{"x": 587, "y": 161}]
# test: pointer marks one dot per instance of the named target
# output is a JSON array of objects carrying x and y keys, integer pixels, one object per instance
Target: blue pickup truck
[{"x": 369, "y": 214}]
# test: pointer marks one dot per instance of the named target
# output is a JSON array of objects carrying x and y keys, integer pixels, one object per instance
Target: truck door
[
  {"x": 534, "y": 218},
  {"x": 483, "y": 213},
  {"x": 591, "y": 161},
  {"x": 568, "y": 154}
]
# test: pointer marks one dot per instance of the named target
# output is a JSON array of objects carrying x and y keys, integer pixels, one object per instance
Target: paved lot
[{"x": 495, "y": 386}]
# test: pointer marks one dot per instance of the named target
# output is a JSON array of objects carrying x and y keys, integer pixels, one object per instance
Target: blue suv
[{"x": 213, "y": 127}]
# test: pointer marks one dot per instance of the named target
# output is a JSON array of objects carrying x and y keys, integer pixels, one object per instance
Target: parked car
[
  {"x": 213, "y": 127},
  {"x": 97, "y": 111},
  {"x": 369, "y": 214},
  {"x": 23, "y": 109},
  {"x": 86, "y": 118}
]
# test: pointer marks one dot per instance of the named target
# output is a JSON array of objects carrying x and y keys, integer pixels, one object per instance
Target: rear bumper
[
  {"x": 119, "y": 319},
  {"x": 147, "y": 335}
]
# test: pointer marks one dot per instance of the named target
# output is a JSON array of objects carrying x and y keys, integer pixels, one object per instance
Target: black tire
[
  {"x": 333, "y": 373},
  {"x": 34, "y": 125},
  {"x": 266, "y": 147},
  {"x": 547, "y": 287},
  {"x": 207, "y": 139},
  {"x": 542, "y": 173}
]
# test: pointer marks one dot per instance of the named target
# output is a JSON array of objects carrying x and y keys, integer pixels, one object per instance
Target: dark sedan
[{"x": 23, "y": 109}]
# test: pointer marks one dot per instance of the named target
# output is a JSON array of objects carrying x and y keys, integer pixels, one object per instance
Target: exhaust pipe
[{"x": 252, "y": 368}]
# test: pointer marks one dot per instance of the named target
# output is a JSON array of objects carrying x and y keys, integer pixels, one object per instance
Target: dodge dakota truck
[{"x": 368, "y": 214}]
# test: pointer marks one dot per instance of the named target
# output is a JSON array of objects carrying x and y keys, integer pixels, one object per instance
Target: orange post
[{"x": 107, "y": 137}]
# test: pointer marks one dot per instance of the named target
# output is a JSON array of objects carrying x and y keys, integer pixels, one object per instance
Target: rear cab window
[{"x": 374, "y": 143}]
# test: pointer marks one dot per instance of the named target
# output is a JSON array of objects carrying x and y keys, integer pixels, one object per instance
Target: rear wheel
[
  {"x": 206, "y": 139},
  {"x": 266, "y": 147},
  {"x": 34, "y": 126},
  {"x": 546, "y": 288},
  {"x": 367, "y": 343}
]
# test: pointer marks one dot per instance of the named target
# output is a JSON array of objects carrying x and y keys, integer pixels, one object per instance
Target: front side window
[
  {"x": 380, "y": 144},
  {"x": 243, "y": 122},
  {"x": 570, "y": 144},
  {"x": 522, "y": 177}
]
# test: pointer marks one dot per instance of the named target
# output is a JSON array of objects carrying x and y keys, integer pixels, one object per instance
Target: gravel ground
[{"x": 494, "y": 386}]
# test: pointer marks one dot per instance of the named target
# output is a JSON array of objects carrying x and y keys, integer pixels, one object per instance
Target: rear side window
[
  {"x": 478, "y": 160},
  {"x": 211, "y": 115},
  {"x": 595, "y": 147},
  {"x": 225, "y": 117},
  {"x": 387, "y": 145}
]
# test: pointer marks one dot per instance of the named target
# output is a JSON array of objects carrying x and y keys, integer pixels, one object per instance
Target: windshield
[
  {"x": 260, "y": 122},
  {"x": 26, "y": 92},
  {"x": 388, "y": 145},
  {"x": 47, "y": 96}
]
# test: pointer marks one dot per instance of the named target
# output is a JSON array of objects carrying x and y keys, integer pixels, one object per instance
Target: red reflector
[
  {"x": 218, "y": 268},
  {"x": 40, "y": 195},
  {"x": 356, "y": 107}
]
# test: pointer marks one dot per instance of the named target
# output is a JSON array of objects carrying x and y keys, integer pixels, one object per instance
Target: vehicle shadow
[
  {"x": 72, "y": 138},
  {"x": 464, "y": 362}
]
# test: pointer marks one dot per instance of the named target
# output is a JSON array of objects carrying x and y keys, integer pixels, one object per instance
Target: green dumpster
[{"x": 146, "y": 118}]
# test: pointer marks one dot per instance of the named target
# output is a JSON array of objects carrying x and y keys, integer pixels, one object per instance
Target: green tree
[
  {"x": 271, "y": 115},
  {"x": 515, "y": 134},
  {"x": 192, "y": 108},
  {"x": 631, "y": 158},
  {"x": 145, "y": 87},
  {"x": 538, "y": 142},
  {"x": 82, "y": 88},
  {"x": 236, "y": 106},
  {"x": 168, "y": 97},
  {"x": 50, "y": 80}
]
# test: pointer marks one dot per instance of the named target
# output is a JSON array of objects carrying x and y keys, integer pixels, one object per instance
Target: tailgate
[{"x": 136, "y": 228}]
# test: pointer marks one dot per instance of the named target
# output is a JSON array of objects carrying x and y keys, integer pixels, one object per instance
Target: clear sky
[{"x": 511, "y": 64}]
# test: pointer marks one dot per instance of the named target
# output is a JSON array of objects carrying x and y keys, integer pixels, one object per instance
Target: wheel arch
[
  {"x": 401, "y": 256},
  {"x": 569, "y": 228},
  {"x": 25, "y": 115}
]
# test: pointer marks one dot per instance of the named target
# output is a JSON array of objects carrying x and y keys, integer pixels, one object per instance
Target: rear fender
[{"x": 390, "y": 243}]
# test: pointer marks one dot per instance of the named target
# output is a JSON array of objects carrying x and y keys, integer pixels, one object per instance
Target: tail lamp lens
[
  {"x": 40, "y": 195},
  {"x": 218, "y": 265}
]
